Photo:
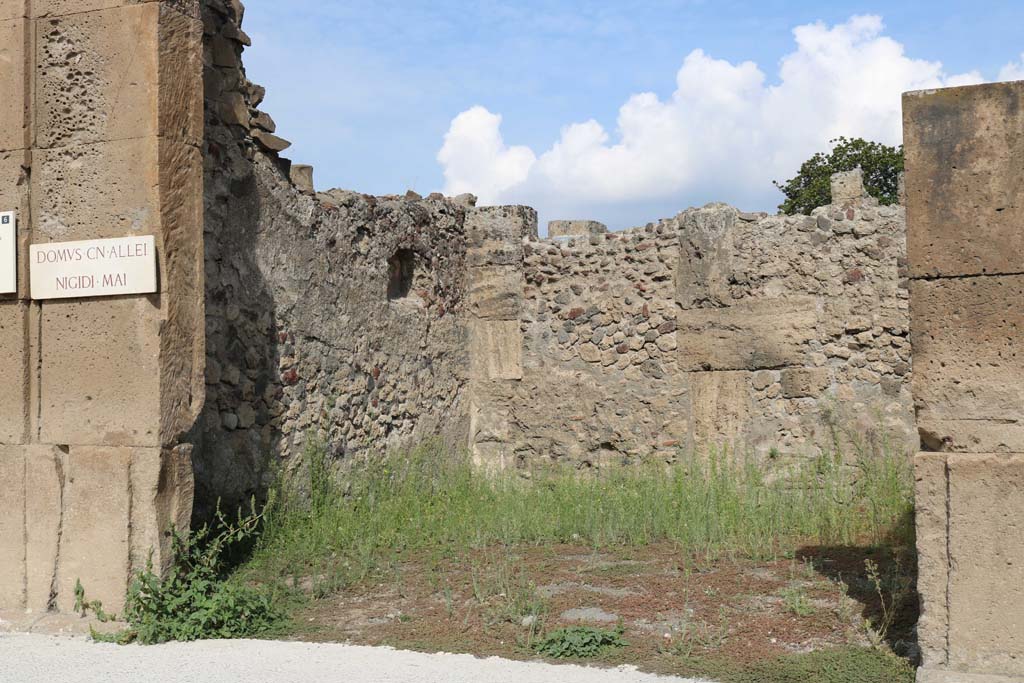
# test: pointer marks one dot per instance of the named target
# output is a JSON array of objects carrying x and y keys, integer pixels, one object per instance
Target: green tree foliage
[{"x": 812, "y": 186}]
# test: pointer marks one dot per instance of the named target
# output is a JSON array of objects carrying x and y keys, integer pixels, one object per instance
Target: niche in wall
[{"x": 409, "y": 277}]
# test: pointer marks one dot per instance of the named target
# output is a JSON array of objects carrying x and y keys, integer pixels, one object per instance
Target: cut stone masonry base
[
  {"x": 90, "y": 514},
  {"x": 970, "y": 519}
]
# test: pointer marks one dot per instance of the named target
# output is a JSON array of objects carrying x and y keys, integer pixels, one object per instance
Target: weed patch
[
  {"x": 579, "y": 642},
  {"x": 709, "y": 505},
  {"x": 196, "y": 600},
  {"x": 838, "y": 665}
]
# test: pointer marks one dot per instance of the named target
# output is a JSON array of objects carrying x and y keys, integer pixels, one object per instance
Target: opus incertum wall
[
  {"x": 965, "y": 215},
  {"x": 101, "y": 345}
]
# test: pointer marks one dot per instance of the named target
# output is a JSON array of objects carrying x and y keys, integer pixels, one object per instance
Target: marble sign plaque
[
  {"x": 110, "y": 267},
  {"x": 8, "y": 252}
]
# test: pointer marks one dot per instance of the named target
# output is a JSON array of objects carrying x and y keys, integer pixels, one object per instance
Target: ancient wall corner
[
  {"x": 964, "y": 180},
  {"x": 100, "y": 129}
]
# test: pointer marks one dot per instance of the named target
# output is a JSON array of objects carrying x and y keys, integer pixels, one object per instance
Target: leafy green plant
[
  {"x": 196, "y": 600},
  {"x": 579, "y": 642},
  {"x": 83, "y": 606},
  {"x": 796, "y": 602},
  {"x": 812, "y": 186}
]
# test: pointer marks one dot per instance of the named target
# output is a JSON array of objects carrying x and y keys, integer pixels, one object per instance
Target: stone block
[
  {"x": 180, "y": 247},
  {"x": 500, "y": 223},
  {"x": 56, "y": 8},
  {"x": 125, "y": 72},
  {"x": 487, "y": 423},
  {"x": 13, "y": 9},
  {"x": 44, "y": 481},
  {"x": 94, "y": 191},
  {"x": 848, "y": 187},
  {"x": 753, "y": 335},
  {"x": 575, "y": 228},
  {"x": 96, "y": 534},
  {"x": 932, "y": 558},
  {"x": 703, "y": 271},
  {"x": 496, "y": 349},
  {"x": 806, "y": 382},
  {"x": 721, "y": 408},
  {"x": 496, "y": 292},
  {"x": 492, "y": 457},
  {"x": 965, "y": 179},
  {"x": 14, "y": 70},
  {"x": 162, "y": 490},
  {"x": 986, "y": 544},
  {"x": 12, "y": 527},
  {"x": 495, "y": 234},
  {"x": 14, "y": 368},
  {"x": 967, "y": 364},
  {"x": 100, "y": 371},
  {"x": 180, "y": 114}
]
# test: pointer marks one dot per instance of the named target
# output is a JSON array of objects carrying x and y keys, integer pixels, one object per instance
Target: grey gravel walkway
[{"x": 33, "y": 658}]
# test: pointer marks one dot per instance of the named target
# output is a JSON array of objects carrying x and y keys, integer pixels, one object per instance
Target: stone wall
[
  {"x": 601, "y": 382},
  {"x": 592, "y": 347},
  {"x": 100, "y": 131},
  {"x": 335, "y": 316},
  {"x": 795, "y": 328},
  {"x": 965, "y": 194},
  {"x": 786, "y": 335}
]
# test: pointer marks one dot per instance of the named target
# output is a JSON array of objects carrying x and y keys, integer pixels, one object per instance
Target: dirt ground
[{"x": 676, "y": 614}]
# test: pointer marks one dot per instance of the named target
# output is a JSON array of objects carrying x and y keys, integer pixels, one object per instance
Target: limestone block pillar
[
  {"x": 100, "y": 136},
  {"x": 496, "y": 279},
  {"x": 965, "y": 215}
]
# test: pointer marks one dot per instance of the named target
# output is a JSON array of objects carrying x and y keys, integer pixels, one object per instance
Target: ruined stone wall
[
  {"x": 795, "y": 328},
  {"x": 781, "y": 334},
  {"x": 601, "y": 382},
  {"x": 778, "y": 334},
  {"x": 100, "y": 131},
  {"x": 336, "y": 316},
  {"x": 965, "y": 211}
]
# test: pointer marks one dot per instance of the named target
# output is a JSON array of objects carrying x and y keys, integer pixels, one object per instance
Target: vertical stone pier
[
  {"x": 100, "y": 133},
  {"x": 495, "y": 260},
  {"x": 965, "y": 214}
]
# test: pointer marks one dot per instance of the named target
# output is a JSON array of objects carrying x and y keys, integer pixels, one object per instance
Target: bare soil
[{"x": 676, "y": 613}]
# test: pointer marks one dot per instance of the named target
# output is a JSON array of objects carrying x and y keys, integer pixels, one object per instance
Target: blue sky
[{"x": 369, "y": 90}]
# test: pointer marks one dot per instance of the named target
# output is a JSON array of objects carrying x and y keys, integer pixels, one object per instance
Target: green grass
[
  {"x": 429, "y": 500},
  {"x": 838, "y": 665}
]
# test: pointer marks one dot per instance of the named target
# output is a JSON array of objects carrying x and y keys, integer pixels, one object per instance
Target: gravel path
[{"x": 32, "y": 658}]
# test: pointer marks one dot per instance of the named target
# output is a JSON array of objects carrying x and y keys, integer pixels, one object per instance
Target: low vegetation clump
[
  {"x": 838, "y": 665},
  {"x": 579, "y": 642},
  {"x": 196, "y": 600}
]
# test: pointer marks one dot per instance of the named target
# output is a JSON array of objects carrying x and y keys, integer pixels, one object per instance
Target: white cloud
[
  {"x": 724, "y": 133},
  {"x": 476, "y": 159},
  {"x": 1014, "y": 71}
]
